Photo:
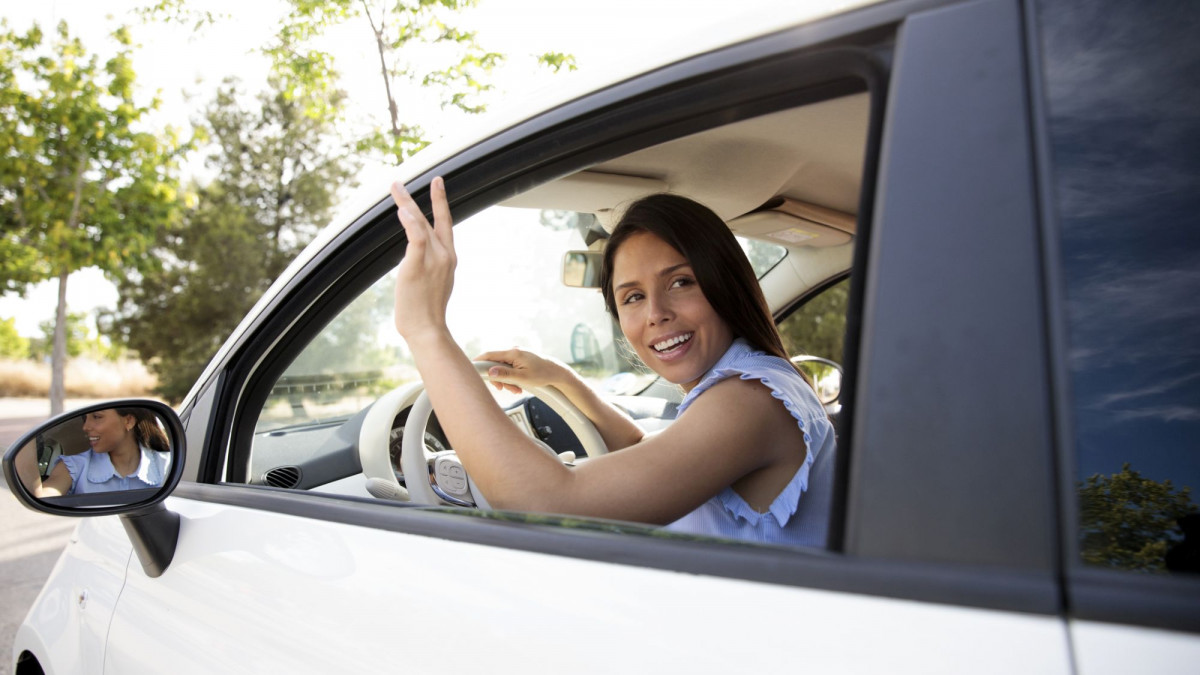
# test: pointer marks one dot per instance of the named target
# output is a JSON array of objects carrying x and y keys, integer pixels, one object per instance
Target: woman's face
[
  {"x": 107, "y": 430},
  {"x": 663, "y": 313}
]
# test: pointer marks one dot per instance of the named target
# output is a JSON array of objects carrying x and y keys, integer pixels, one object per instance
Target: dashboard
[{"x": 326, "y": 452}]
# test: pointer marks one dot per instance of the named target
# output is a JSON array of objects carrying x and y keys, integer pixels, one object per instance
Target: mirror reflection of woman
[{"x": 127, "y": 450}]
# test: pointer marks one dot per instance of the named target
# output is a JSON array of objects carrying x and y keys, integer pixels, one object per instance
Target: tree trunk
[{"x": 58, "y": 358}]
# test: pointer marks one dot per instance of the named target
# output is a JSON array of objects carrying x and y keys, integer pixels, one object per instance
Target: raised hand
[{"x": 426, "y": 275}]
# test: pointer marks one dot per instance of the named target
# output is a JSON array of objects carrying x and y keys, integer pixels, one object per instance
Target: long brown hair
[
  {"x": 147, "y": 429},
  {"x": 721, "y": 267}
]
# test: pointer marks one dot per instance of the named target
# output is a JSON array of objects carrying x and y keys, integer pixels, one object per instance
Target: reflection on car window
[{"x": 1125, "y": 144}]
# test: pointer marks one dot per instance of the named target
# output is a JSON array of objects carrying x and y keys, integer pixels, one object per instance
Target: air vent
[{"x": 283, "y": 477}]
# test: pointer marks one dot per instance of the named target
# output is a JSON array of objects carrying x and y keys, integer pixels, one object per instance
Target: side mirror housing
[{"x": 119, "y": 457}]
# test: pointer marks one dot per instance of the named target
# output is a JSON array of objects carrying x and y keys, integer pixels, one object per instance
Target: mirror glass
[
  {"x": 581, "y": 269},
  {"x": 103, "y": 457},
  {"x": 826, "y": 376}
]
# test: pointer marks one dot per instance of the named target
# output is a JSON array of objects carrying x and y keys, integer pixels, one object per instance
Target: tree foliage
[
  {"x": 275, "y": 182},
  {"x": 81, "y": 183},
  {"x": 12, "y": 344},
  {"x": 819, "y": 326},
  {"x": 1130, "y": 522},
  {"x": 396, "y": 28},
  {"x": 81, "y": 340}
]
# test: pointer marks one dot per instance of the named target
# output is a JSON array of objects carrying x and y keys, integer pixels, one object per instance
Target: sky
[{"x": 183, "y": 68}]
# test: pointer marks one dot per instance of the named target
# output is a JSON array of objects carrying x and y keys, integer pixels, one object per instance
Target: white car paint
[
  {"x": 70, "y": 618},
  {"x": 303, "y": 596},
  {"x": 1108, "y": 649}
]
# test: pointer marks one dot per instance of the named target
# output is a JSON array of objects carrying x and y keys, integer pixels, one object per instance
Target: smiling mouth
[{"x": 672, "y": 343}]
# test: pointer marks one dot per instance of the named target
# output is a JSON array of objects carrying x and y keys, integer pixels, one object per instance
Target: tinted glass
[{"x": 1124, "y": 122}]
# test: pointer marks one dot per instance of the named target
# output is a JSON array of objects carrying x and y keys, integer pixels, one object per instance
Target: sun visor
[
  {"x": 790, "y": 222},
  {"x": 588, "y": 192}
]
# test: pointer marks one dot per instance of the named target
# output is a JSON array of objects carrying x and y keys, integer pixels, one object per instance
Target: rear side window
[{"x": 1125, "y": 148}]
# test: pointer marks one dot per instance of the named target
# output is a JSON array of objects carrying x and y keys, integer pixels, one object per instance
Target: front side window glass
[
  {"x": 1125, "y": 146},
  {"x": 500, "y": 300}
]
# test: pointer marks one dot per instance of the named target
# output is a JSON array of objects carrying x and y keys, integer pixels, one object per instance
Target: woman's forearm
[
  {"x": 616, "y": 428},
  {"x": 511, "y": 470}
]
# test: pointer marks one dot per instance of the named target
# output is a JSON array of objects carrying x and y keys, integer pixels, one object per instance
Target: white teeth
[{"x": 667, "y": 344}]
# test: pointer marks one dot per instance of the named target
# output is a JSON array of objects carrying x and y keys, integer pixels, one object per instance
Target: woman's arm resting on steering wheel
[{"x": 526, "y": 369}]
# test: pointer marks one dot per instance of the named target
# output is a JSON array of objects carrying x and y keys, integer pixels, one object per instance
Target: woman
[
  {"x": 128, "y": 450},
  {"x": 750, "y": 454}
]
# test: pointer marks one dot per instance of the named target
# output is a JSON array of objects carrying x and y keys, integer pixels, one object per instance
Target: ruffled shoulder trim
[
  {"x": 782, "y": 508},
  {"x": 781, "y": 379},
  {"x": 76, "y": 465}
]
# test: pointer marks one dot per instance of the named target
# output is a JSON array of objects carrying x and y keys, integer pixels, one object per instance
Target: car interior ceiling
[{"x": 790, "y": 178}]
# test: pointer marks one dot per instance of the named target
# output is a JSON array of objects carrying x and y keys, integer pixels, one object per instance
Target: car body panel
[
  {"x": 69, "y": 621},
  {"x": 374, "y": 599}
]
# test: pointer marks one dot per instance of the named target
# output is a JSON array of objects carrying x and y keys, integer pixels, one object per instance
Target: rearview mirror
[
  {"x": 114, "y": 457},
  {"x": 581, "y": 269}
]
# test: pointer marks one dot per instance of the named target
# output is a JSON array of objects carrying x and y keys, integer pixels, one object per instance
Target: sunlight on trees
[{"x": 82, "y": 183}]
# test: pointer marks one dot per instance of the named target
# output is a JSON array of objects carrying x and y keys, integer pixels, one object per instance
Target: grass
[{"x": 84, "y": 378}]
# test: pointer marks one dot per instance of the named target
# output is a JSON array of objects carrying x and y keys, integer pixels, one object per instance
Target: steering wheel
[{"x": 454, "y": 485}]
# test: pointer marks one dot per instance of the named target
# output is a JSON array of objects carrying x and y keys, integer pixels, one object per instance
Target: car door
[{"x": 934, "y": 565}]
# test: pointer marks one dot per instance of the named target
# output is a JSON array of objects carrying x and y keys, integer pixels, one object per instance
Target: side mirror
[
  {"x": 581, "y": 269},
  {"x": 826, "y": 376},
  {"x": 117, "y": 457}
]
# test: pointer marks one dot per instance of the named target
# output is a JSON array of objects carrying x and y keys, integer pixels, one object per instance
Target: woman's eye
[
  {"x": 681, "y": 282},
  {"x": 632, "y": 297}
]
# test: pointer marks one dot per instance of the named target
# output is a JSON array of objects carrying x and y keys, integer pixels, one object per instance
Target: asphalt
[{"x": 30, "y": 542}]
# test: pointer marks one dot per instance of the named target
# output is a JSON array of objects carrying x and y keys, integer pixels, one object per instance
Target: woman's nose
[{"x": 660, "y": 309}]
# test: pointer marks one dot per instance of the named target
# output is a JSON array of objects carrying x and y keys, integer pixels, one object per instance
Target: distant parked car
[{"x": 990, "y": 205}]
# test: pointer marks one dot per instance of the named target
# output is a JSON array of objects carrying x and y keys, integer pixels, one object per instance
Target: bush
[
  {"x": 84, "y": 378},
  {"x": 12, "y": 345}
]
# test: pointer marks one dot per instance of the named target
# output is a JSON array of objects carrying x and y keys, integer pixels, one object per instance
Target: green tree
[
  {"x": 819, "y": 326},
  {"x": 399, "y": 29},
  {"x": 12, "y": 345},
  {"x": 402, "y": 33},
  {"x": 1130, "y": 522},
  {"x": 275, "y": 182},
  {"x": 81, "y": 183},
  {"x": 78, "y": 336}
]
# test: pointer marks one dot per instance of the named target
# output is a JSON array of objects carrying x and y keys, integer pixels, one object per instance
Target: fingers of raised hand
[
  {"x": 409, "y": 213},
  {"x": 443, "y": 223}
]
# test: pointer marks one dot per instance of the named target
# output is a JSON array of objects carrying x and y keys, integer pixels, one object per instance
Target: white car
[{"x": 983, "y": 212}]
